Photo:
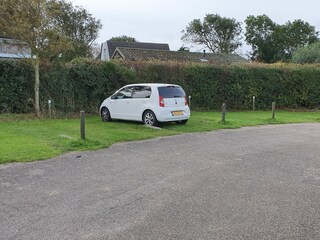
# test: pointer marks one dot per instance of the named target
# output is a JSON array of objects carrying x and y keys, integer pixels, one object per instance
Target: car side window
[
  {"x": 124, "y": 93},
  {"x": 141, "y": 92}
]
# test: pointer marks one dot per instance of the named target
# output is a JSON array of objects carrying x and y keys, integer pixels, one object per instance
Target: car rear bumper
[{"x": 173, "y": 114}]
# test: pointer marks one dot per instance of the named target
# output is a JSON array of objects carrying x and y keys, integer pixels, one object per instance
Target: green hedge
[
  {"x": 83, "y": 84},
  {"x": 80, "y": 85},
  {"x": 16, "y": 90},
  {"x": 290, "y": 86}
]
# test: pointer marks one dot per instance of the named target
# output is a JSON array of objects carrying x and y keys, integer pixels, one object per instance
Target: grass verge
[{"x": 24, "y": 139}]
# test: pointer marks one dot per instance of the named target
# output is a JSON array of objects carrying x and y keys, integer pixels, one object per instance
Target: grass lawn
[{"x": 25, "y": 139}]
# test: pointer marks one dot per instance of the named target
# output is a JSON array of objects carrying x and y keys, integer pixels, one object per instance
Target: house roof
[
  {"x": 7, "y": 37},
  {"x": 112, "y": 45},
  {"x": 135, "y": 54},
  {"x": 13, "y": 55},
  {"x": 12, "y": 48}
]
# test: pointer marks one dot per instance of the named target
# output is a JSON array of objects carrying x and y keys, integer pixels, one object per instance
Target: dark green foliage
[
  {"x": 80, "y": 85},
  {"x": 83, "y": 84},
  {"x": 16, "y": 87},
  {"x": 290, "y": 86},
  {"x": 271, "y": 42}
]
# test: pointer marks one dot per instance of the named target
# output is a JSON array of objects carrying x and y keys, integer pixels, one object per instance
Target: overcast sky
[{"x": 163, "y": 20}]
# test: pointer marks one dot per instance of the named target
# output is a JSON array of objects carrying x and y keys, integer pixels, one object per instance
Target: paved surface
[{"x": 249, "y": 183}]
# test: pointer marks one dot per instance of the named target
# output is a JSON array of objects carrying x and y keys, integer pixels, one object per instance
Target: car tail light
[
  {"x": 185, "y": 101},
  {"x": 161, "y": 101}
]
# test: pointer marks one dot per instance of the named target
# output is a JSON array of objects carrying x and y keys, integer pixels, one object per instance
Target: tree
[
  {"x": 271, "y": 42},
  {"x": 307, "y": 54},
  {"x": 219, "y": 34},
  {"x": 122, "y": 38},
  {"x": 30, "y": 22},
  {"x": 259, "y": 34},
  {"x": 49, "y": 28},
  {"x": 298, "y": 34},
  {"x": 183, "y": 49},
  {"x": 80, "y": 28}
]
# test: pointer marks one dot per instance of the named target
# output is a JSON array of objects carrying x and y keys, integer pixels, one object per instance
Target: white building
[
  {"x": 108, "y": 47},
  {"x": 13, "y": 48}
]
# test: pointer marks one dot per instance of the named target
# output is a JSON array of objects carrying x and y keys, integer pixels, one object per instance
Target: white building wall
[
  {"x": 10, "y": 48},
  {"x": 105, "y": 52}
]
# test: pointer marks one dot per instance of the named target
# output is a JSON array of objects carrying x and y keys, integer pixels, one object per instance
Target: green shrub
[{"x": 307, "y": 54}]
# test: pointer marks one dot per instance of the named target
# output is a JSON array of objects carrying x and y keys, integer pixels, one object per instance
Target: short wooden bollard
[
  {"x": 82, "y": 125},
  {"x": 253, "y": 103},
  {"x": 273, "y": 110},
  {"x": 50, "y": 108},
  {"x": 223, "y": 110},
  {"x": 189, "y": 101}
]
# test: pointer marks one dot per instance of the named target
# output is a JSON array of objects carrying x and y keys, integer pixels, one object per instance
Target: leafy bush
[{"x": 307, "y": 54}]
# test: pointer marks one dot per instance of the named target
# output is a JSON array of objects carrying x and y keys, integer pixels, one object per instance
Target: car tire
[
  {"x": 105, "y": 115},
  {"x": 182, "y": 121},
  {"x": 149, "y": 118}
]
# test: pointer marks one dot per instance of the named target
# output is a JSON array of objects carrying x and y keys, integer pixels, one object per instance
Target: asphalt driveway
[{"x": 249, "y": 183}]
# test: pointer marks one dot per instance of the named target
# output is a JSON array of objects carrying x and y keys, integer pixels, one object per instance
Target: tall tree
[
  {"x": 78, "y": 25},
  {"x": 30, "y": 22},
  {"x": 49, "y": 28},
  {"x": 219, "y": 34},
  {"x": 259, "y": 34},
  {"x": 298, "y": 34},
  {"x": 271, "y": 42}
]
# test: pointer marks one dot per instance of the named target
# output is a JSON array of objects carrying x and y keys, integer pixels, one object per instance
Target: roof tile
[{"x": 135, "y": 54}]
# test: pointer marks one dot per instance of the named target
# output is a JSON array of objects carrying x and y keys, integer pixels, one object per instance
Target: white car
[{"x": 147, "y": 103}]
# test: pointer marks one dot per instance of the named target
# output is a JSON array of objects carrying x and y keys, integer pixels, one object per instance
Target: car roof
[{"x": 151, "y": 84}]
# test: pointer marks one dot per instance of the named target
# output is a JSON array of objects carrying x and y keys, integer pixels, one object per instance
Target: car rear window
[{"x": 171, "y": 92}]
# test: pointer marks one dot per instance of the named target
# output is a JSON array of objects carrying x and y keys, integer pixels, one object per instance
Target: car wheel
[
  {"x": 149, "y": 118},
  {"x": 105, "y": 115},
  {"x": 182, "y": 121}
]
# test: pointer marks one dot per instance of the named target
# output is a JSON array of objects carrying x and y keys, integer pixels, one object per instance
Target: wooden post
[
  {"x": 253, "y": 103},
  {"x": 273, "y": 110},
  {"x": 82, "y": 125},
  {"x": 189, "y": 101},
  {"x": 224, "y": 109},
  {"x": 49, "y": 108}
]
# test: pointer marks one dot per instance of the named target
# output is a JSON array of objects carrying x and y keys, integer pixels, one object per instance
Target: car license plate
[{"x": 177, "y": 113}]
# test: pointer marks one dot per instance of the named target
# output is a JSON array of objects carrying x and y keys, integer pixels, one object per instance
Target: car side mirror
[{"x": 114, "y": 96}]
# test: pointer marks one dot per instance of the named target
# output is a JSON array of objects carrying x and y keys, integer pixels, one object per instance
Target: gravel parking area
[{"x": 248, "y": 183}]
